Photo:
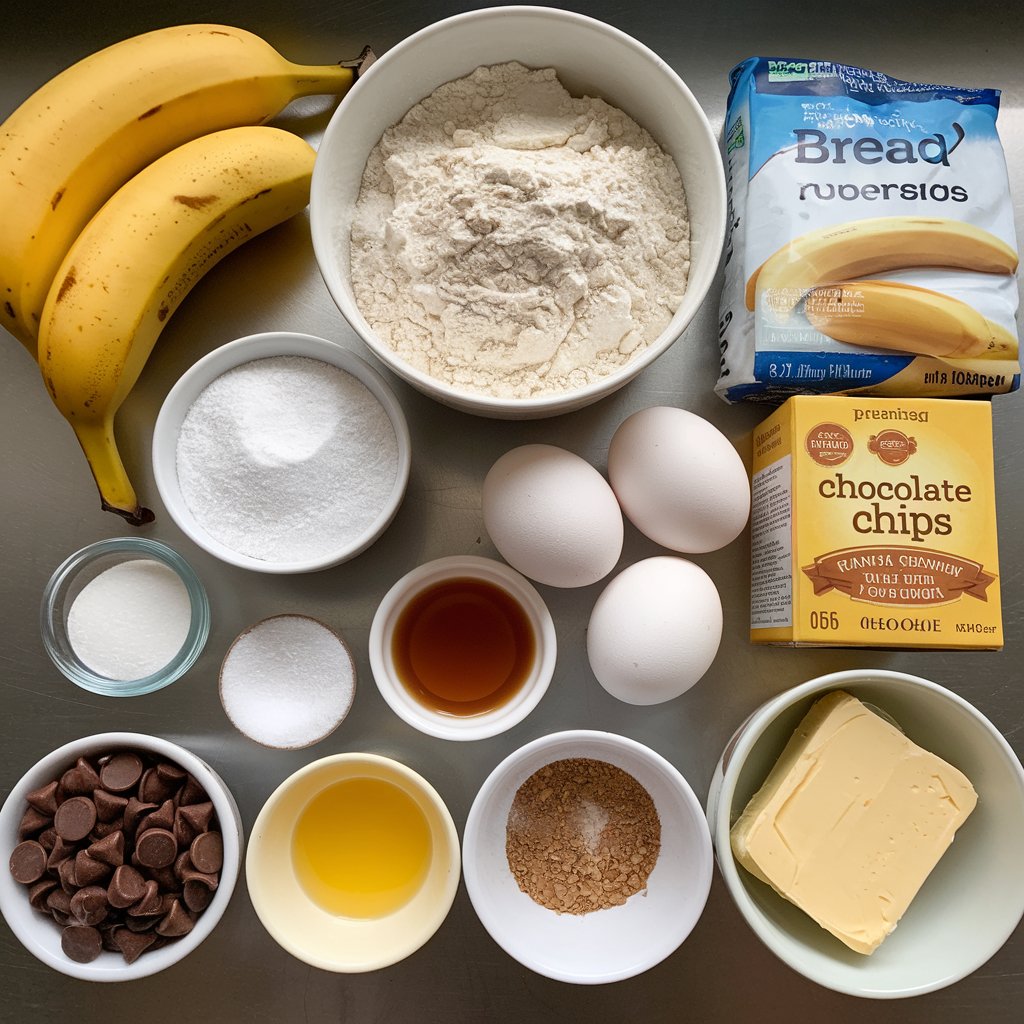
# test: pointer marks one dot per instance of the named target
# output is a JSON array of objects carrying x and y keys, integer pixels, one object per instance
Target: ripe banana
[
  {"x": 137, "y": 259},
  {"x": 861, "y": 247},
  {"x": 81, "y": 136},
  {"x": 905, "y": 318}
]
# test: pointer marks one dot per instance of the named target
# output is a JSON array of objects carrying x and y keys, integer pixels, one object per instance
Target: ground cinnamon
[{"x": 582, "y": 835}]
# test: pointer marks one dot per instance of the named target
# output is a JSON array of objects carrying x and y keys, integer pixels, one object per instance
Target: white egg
[
  {"x": 679, "y": 480},
  {"x": 552, "y": 516},
  {"x": 654, "y": 630}
]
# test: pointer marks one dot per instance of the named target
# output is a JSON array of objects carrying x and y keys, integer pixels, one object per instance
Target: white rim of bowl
[
  {"x": 740, "y": 746},
  {"x": 470, "y": 840},
  {"x": 449, "y": 727},
  {"x": 323, "y": 243},
  {"x": 165, "y": 473},
  {"x": 231, "y": 829},
  {"x": 444, "y": 905}
]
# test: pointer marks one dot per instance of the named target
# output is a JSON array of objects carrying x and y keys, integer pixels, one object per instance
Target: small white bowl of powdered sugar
[
  {"x": 518, "y": 210},
  {"x": 282, "y": 453}
]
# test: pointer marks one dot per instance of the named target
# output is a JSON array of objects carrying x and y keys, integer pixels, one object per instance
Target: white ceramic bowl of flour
[
  {"x": 591, "y": 59},
  {"x": 275, "y": 503}
]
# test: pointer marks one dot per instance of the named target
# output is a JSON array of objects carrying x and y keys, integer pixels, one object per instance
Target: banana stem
[
  {"x": 337, "y": 79},
  {"x": 116, "y": 492}
]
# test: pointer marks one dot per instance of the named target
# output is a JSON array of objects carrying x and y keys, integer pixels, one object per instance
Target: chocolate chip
[
  {"x": 80, "y": 780},
  {"x": 88, "y": 870},
  {"x": 75, "y": 818},
  {"x": 47, "y": 839},
  {"x": 154, "y": 789},
  {"x": 132, "y": 944},
  {"x": 109, "y": 850},
  {"x": 81, "y": 943},
  {"x": 197, "y": 896},
  {"x": 60, "y": 852},
  {"x": 150, "y": 903},
  {"x": 176, "y": 923},
  {"x": 107, "y": 933},
  {"x": 162, "y": 817},
  {"x": 126, "y": 887},
  {"x": 121, "y": 772},
  {"x": 59, "y": 900},
  {"x": 28, "y": 862},
  {"x": 133, "y": 814},
  {"x": 140, "y": 924},
  {"x": 40, "y": 891},
  {"x": 191, "y": 793},
  {"x": 198, "y": 816},
  {"x": 89, "y": 905},
  {"x": 210, "y": 881},
  {"x": 183, "y": 831},
  {"x": 156, "y": 848},
  {"x": 183, "y": 863},
  {"x": 109, "y": 806},
  {"x": 67, "y": 876},
  {"x": 172, "y": 774},
  {"x": 62, "y": 919},
  {"x": 207, "y": 852},
  {"x": 44, "y": 799},
  {"x": 32, "y": 823},
  {"x": 165, "y": 878}
]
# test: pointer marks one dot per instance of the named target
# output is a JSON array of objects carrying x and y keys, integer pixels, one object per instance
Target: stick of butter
[{"x": 851, "y": 820}]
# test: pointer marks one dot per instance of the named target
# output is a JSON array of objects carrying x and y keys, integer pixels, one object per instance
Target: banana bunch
[
  {"x": 818, "y": 267},
  {"x": 122, "y": 181}
]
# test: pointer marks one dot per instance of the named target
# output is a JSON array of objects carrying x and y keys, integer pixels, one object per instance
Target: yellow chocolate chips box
[{"x": 874, "y": 525}]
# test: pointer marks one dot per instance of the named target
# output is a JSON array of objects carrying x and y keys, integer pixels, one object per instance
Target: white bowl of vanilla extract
[{"x": 462, "y": 648}]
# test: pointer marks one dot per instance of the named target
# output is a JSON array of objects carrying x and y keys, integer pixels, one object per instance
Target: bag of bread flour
[{"x": 871, "y": 244}]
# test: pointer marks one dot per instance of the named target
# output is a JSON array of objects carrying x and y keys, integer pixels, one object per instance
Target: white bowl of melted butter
[
  {"x": 353, "y": 863},
  {"x": 969, "y": 904}
]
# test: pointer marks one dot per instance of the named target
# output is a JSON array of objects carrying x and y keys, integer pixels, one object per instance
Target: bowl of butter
[{"x": 868, "y": 825}]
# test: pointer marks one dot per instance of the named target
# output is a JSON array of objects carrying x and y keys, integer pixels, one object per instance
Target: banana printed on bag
[
  {"x": 905, "y": 318},
  {"x": 83, "y": 134},
  {"x": 136, "y": 261},
  {"x": 858, "y": 248},
  {"x": 870, "y": 242}
]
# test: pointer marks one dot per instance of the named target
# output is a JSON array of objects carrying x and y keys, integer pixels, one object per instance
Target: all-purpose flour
[{"x": 513, "y": 240}]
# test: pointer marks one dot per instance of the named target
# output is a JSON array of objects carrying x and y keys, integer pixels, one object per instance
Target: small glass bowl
[{"x": 85, "y": 565}]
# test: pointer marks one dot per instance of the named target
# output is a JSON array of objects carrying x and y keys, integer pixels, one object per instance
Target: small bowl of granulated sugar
[
  {"x": 124, "y": 616},
  {"x": 539, "y": 226},
  {"x": 282, "y": 453},
  {"x": 587, "y": 857}
]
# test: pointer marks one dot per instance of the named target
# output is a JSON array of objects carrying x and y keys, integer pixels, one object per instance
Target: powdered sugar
[
  {"x": 286, "y": 459},
  {"x": 288, "y": 681},
  {"x": 513, "y": 240}
]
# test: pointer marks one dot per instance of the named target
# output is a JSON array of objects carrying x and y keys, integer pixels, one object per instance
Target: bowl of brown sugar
[{"x": 587, "y": 857}]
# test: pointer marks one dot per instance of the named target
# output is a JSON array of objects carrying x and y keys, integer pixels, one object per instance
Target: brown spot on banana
[
  {"x": 66, "y": 285},
  {"x": 196, "y": 202},
  {"x": 9, "y": 310},
  {"x": 57, "y": 197},
  {"x": 150, "y": 112},
  {"x": 163, "y": 312}
]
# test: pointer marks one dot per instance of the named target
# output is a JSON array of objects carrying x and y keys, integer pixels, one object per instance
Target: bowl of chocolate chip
[{"x": 123, "y": 851}]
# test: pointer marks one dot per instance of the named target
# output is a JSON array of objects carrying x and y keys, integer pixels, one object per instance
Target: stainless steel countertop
[{"x": 49, "y": 508}]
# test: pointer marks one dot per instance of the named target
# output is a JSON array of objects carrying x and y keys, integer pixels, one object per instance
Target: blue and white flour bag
[{"x": 871, "y": 246}]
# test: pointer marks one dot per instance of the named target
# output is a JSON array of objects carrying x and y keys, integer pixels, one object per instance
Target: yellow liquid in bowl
[{"x": 361, "y": 848}]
